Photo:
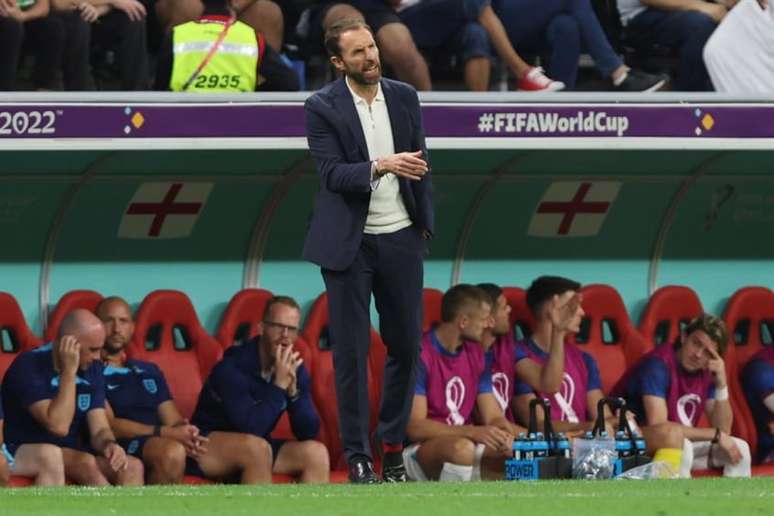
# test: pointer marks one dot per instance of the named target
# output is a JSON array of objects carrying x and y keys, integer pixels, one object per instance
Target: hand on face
[
  {"x": 716, "y": 366},
  {"x": 286, "y": 365},
  {"x": 69, "y": 354}
]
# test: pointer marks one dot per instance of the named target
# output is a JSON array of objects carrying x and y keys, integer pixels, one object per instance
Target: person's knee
[
  {"x": 265, "y": 17},
  {"x": 396, "y": 43},
  {"x": 698, "y": 26},
  {"x": 475, "y": 41},
  {"x": 134, "y": 473},
  {"x": 169, "y": 459},
  {"x": 50, "y": 460},
  {"x": 462, "y": 451},
  {"x": 316, "y": 455},
  {"x": 339, "y": 12},
  {"x": 5, "y": 471},
  {"x": 256, "y": 450},
  {"x": 268, "y": 11},
  {"x": 85, "y": 468},
  {"x": 564, "y": 29},
  {"x": 668, "y": 435}
]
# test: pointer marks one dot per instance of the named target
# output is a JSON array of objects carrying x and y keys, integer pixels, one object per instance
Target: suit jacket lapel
[
  {"x": 399, "y": 119},
  {"x": 345, "y": 105}
]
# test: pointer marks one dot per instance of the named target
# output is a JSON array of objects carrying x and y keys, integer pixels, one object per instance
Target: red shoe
[{"x": 536, "y": 80}]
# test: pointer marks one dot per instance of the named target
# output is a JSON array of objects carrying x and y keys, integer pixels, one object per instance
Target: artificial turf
[{"x": 576, "y": 498}]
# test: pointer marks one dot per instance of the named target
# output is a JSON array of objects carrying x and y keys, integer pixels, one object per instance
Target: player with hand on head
[
  {"x": 671, "y": 386},
  {"x": 54, "y": 398}
]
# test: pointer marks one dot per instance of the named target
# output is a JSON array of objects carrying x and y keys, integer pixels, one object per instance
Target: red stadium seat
[
  {"x": 17, "y": 481},
  {"x": 608, "y": 334},
  {"x": 431, "y": 301},
  {"x": 323, "y": 380},
  {"x": 669, "y": 309},
  {"x": 168, "y": 333},
  {"x": 522, "y": 320},
  {"x": 703, "y": 473},
  {"x": 239, "y": 322},
  {"x": 763, "y": 470},
  {"x": 87, "y": 299},
  {"x": 749, "y": 316},
  {"x": 15, "y": 335},
  {"x": 196, "y": 481}
]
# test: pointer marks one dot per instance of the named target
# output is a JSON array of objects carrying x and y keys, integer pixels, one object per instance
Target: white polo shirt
[{"x": 386, "y": 211}]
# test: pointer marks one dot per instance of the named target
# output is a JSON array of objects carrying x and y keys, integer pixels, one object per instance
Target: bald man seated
[
  {"x": 146, "y": 420},
  {"x": 56, "y": 427}
]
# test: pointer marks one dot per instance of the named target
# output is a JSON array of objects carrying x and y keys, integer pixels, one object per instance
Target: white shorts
[
  {"x": 698, "y": 455},
  {"x": 413, "y": 469}
]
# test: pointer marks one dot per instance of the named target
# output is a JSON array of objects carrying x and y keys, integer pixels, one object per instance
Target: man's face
[
  {"x": 279, "y": 329},
  {"x": 475, "y": 321},
  {"x": 501, "y": 315},
  {"x": 359, "y": 58},
  {"x": 116, "y": 317},
  {"x": 694, "y": 354}
]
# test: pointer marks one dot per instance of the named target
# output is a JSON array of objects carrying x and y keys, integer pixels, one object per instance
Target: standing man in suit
[{"x": 371, "y": 219}]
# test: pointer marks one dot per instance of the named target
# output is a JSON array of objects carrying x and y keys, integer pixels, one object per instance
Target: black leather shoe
[
  {"x": 361, "y": 471},
  {"x": 393, "y": 470}
]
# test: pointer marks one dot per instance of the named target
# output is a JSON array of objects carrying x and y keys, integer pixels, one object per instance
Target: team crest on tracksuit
[
  {"x": 150, "y": 385},
  {"x": 84, "y": 401}
]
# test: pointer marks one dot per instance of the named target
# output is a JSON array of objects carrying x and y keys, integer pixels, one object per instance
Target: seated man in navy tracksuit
[{"x": 255, "y": 383}]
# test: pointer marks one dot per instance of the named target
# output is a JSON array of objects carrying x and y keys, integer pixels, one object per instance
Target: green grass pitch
[{"x": 572, "y": 498}]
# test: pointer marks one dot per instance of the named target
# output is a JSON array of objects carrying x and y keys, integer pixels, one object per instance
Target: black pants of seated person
[
  {"x": 60, "y": 41},
  {"x": 128, "y": 39},
  {"x": 11, "y": 36}
]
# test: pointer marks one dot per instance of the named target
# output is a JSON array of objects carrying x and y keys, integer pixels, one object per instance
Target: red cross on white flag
[
  {"x": 164, "y": 210},
  {"x": 573, "y": 208}
]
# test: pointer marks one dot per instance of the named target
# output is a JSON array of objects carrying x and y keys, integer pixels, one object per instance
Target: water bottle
[
  {"x": 540, "y": 446},
  {"x": 623, "y": 445},
  {"x": 640, "y": 446},
  {"x": 529, "y": 447},
  {"x": 518, "y": 446},
  {"x": 562, "y": 446}
]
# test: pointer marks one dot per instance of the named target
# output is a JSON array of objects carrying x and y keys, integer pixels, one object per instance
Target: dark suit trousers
[{"x": 390, "y": 267}]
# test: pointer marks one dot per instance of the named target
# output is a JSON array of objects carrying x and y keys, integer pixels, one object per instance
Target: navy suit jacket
[{"x": 338, "y": 146}]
